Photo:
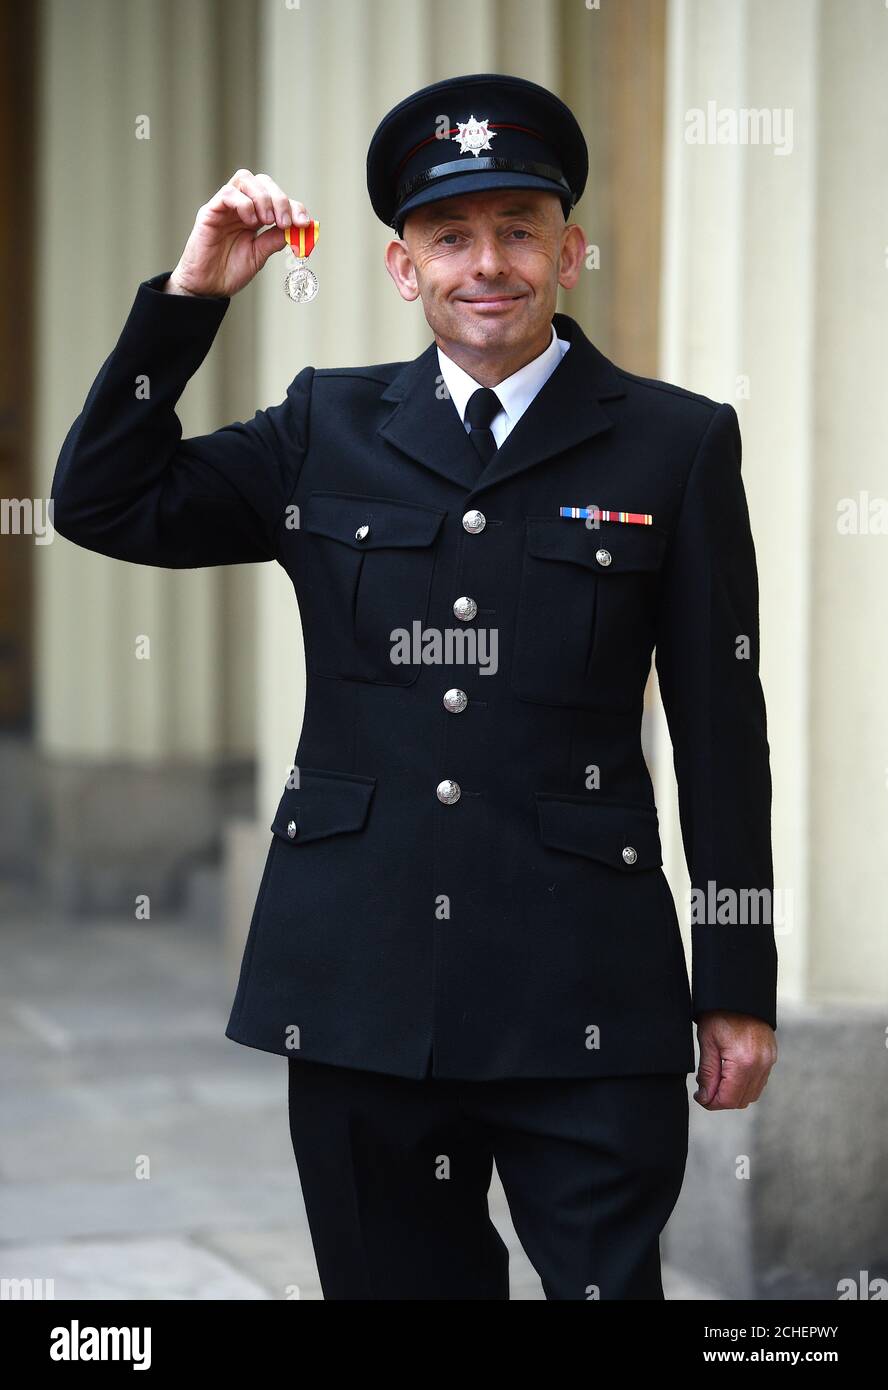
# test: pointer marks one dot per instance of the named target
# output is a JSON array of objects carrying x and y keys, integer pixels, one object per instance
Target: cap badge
[{"x": 474, "y": 136}]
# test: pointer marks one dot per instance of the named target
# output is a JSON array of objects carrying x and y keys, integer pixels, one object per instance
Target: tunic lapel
[{"x": 566, "y": 411}]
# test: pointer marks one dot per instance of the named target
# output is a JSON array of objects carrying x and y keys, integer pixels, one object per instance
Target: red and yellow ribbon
[{"x": 305, "y": 239}]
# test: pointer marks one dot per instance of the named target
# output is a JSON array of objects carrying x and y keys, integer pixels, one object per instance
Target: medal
[{"x": 301, "y": 283}]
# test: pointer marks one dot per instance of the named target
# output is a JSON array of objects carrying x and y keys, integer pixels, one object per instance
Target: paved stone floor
[{"x": 114, "y": 1054}]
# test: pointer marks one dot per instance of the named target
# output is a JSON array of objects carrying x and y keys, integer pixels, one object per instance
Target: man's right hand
[{"x": 227, "y": 245}]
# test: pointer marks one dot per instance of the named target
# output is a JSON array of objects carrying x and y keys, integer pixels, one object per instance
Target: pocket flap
[
  {"x": 324, "y": 803},
  {"x": 601, "y": 830},
  {"x": 340, "y": 515},
  {"x": 630, "y": 547}
]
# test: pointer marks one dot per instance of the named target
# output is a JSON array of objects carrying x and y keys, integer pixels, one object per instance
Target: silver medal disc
[{"x": 301, "y": 284}]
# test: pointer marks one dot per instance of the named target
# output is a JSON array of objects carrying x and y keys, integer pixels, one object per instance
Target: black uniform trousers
[{"x": 395, "y": 1173}]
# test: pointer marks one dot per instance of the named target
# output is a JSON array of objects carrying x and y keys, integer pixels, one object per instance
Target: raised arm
[{"x": 126, "y": 483}]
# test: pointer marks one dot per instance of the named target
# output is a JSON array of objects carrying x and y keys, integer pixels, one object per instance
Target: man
[{"x": 463, "y": 940}]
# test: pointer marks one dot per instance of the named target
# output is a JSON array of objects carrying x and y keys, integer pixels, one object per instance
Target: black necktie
[{"x": 483, "y": 405}]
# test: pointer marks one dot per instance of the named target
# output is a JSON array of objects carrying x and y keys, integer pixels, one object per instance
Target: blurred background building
[{"x": 737, "y": 219}]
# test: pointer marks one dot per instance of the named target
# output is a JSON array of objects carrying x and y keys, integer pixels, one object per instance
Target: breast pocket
[
  {"x": 584, "y": 627},
  {"x": 374, "y": 559}
]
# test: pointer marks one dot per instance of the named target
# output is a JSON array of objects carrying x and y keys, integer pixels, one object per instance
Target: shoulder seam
[
  {"x": 362, "y": 374},
  {"x": 669, "y": 389},
  {"x": 686, "y": 484},
  {"x": 698, "y": 451}
]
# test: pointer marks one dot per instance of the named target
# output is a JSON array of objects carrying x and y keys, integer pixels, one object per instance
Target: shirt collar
[{"x": 517, "y": 391}]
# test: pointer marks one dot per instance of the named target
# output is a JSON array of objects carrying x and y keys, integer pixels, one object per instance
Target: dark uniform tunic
[{"x": 473, "y": 884}]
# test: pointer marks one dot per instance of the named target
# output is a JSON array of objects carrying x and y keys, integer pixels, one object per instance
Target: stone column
[
  {"x": 774, "y": 298},
  {"x": 143, "y": 713}
]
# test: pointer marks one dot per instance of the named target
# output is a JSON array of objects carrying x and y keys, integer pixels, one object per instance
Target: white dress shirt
[{"x": 515, "y": 393}]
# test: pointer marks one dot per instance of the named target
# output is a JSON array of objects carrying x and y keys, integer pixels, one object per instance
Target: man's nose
[{"x": 490, "y": 256}]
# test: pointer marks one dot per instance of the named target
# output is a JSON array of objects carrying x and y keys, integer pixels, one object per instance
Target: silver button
[
  {"x": 629, "y": 855},
  {"x": 455, "y": 701},
  {"x": 474, "y": 522},
  {"x": 362, "y": 533},
  {"x": 291, "y": 828},
  {"x": 603, "y": 557},
  {"x": 448, "y": 791},
  {"x": 465, "y": 609}
]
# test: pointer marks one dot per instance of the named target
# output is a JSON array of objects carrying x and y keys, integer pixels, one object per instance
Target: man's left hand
[{"x": 737, "y": 1052}]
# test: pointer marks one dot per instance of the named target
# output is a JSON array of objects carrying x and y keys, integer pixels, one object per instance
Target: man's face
[{"x": 487, "y": 266}]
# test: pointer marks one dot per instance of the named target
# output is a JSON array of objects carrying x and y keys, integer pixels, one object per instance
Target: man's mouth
[{"x": 490, "y": 302}]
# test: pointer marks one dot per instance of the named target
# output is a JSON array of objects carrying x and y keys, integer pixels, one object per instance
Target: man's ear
[
  {"x": 399, "y": 264},
  {"x": 573, "y": 252}
]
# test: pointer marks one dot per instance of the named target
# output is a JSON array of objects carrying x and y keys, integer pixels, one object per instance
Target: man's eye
[
  {"x": 449, "y": 237},
  {"x": 520, "y": 232}
]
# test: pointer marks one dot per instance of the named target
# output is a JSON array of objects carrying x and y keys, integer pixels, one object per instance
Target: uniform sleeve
[
  {"x": 715, "y": 710},
  {"x": 127, "y": 484}
]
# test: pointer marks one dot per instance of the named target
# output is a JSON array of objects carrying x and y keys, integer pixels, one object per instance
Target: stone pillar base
[{"x": 108, "y": 834}]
